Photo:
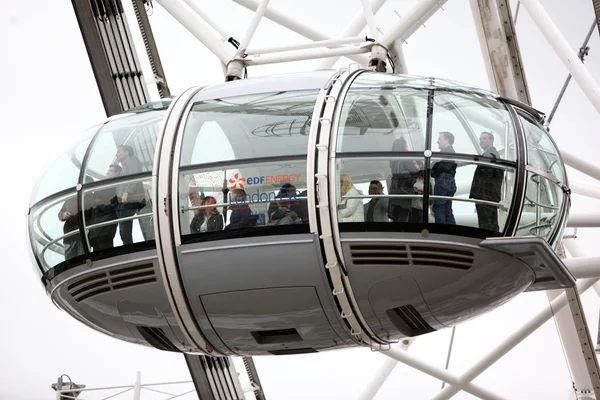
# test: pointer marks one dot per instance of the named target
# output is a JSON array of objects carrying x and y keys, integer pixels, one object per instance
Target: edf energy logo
[{"x": 237, "y": 181}]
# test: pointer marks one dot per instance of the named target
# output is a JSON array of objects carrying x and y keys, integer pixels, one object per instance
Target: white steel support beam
[
  {"x": 580, "y": 165},
  {"x": 500, "y": 48},
  {"x": 578, "y": 344},
  {"x": 584, "y": 189},
  {"x": 295, "y": 25},
  {"x": 260, "y": 11},
  {"x": 409, "y": 23},
  {"x": 370, "y": 18},
  {"x": 562, "y": 48},
  {"x": 199, "y": 28},
  {"x": 439, "y": 373},
  {"x": 517, "y": 337},
  {"x": 583, "y": 267},
  {"x": 303, "y": 46},
  {"x": 353, "y": 28},
  {"x": 193, "y": 4},
  {"x": 308, "y": 54},
  {"x": 583, "y": 221},
  {"x": 384, "y": 371},
  {"x": 397, "y": 54}
]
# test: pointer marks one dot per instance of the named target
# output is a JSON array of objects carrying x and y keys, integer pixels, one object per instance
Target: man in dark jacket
[
  {"x": 443, "y": 172},
  {"x": 130, "y": 194},
  {"x": 105, "y": 209},
  {"x": 487, "y": 185}
]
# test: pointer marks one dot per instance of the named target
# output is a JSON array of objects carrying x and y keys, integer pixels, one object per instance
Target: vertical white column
[{"x": 137, "y": 386}]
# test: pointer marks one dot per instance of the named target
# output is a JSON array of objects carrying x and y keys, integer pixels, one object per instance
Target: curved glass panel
[
  {"x": 112, "y": 221},
  {"x": 64, "y": 172},
  {"x": 392, "y": 190},
  {"x": 128, "y": 141},
  {"x": 542, "y": 208},
  {"x": 478, "y": 126},
  {"x": 377, "y": 111},
  {"x": 258, "y": 195},
  {"x": 246, "y": 127},
  {"x": 440, "y": 83},
  {"x": 55, "y": 228},
  {"x": 55, "y": 231},
  {"x": 541, "y": 151}
]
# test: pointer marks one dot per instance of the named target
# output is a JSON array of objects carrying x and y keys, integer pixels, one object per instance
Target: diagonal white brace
[
  {"x": 198, "y": 27},
  {"x": 294, "y": 25},
  {"x": 580, "y": 165},
  {"x": 353, "y": 28},
  {"x": 564, "y": 51},
  {"x": 439, "y": 373},
  {"x": 517, "y": 337},
  {"x": 412, "y": 21}
]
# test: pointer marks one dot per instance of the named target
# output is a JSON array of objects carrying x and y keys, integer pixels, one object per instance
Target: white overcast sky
[{"x": 49, "y": 94}]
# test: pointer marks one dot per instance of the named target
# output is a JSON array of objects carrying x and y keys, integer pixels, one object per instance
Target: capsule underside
[{"x": 291, "y": 214}]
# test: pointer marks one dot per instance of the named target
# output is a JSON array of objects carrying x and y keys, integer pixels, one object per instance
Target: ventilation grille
[
  {"x": 156, "y": 337},
  {"x": 115, "y": 279},
  {"x": 409, "y": 320},
  {"x": 411, "y": 255}
]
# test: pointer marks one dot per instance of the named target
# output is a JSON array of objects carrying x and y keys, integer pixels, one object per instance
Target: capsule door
[{"x": 246, "y": 256}]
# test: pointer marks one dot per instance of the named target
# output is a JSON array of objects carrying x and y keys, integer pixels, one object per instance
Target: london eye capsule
[{"x": 300, "y": 213}]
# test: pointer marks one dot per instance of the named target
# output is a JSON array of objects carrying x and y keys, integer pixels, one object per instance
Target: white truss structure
[{"x": 495, "y": 30}]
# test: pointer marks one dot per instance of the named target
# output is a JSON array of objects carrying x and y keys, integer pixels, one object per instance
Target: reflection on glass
[
  {"x": 56, "y": 230},
  {"x": 375, "y": 114},
  {"x": 541, "y": 151},
  {"x": 542, "y": 207},
  {"x": 467, "y": 117},
  {"x": 107, "y": 213},
  {"x": 245, "y": 127},
  {"x": 386, "y": 193},
  {"x": 64, "y": 172},
  {"x": 243, "y": 196},
  {"x": 129, "y": 140}
]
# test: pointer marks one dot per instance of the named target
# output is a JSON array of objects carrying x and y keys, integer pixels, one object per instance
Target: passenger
[
  {"x": 105, "y": 209},
  {"x": 350, "y": 210},
  {"x": 207, "y": 219},
  {"x": 487, "y": 185},
  {"x": 445, "y": 185},
  {"x": 303, "y": 206},
  {"x": 241, "y": 215},
  {"x": 69, "y": 214},
  {"x": 416, "y": 207},
  {"x": 376, "y": 210},
  {"x": 402, "y": 182},
  {"x": 284, "y": 211},
  {"x": 130, "y": 195}
]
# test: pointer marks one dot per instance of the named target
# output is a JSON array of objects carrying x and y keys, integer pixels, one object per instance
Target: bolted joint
[
  {"x": 378, "y": 59},
  {"x": 235, "y": 70}
]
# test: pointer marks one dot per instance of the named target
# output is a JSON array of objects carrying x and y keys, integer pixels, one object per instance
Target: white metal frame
[
  {"x": 509, "y": 82},
  {"x": 138, "y": 387}
]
